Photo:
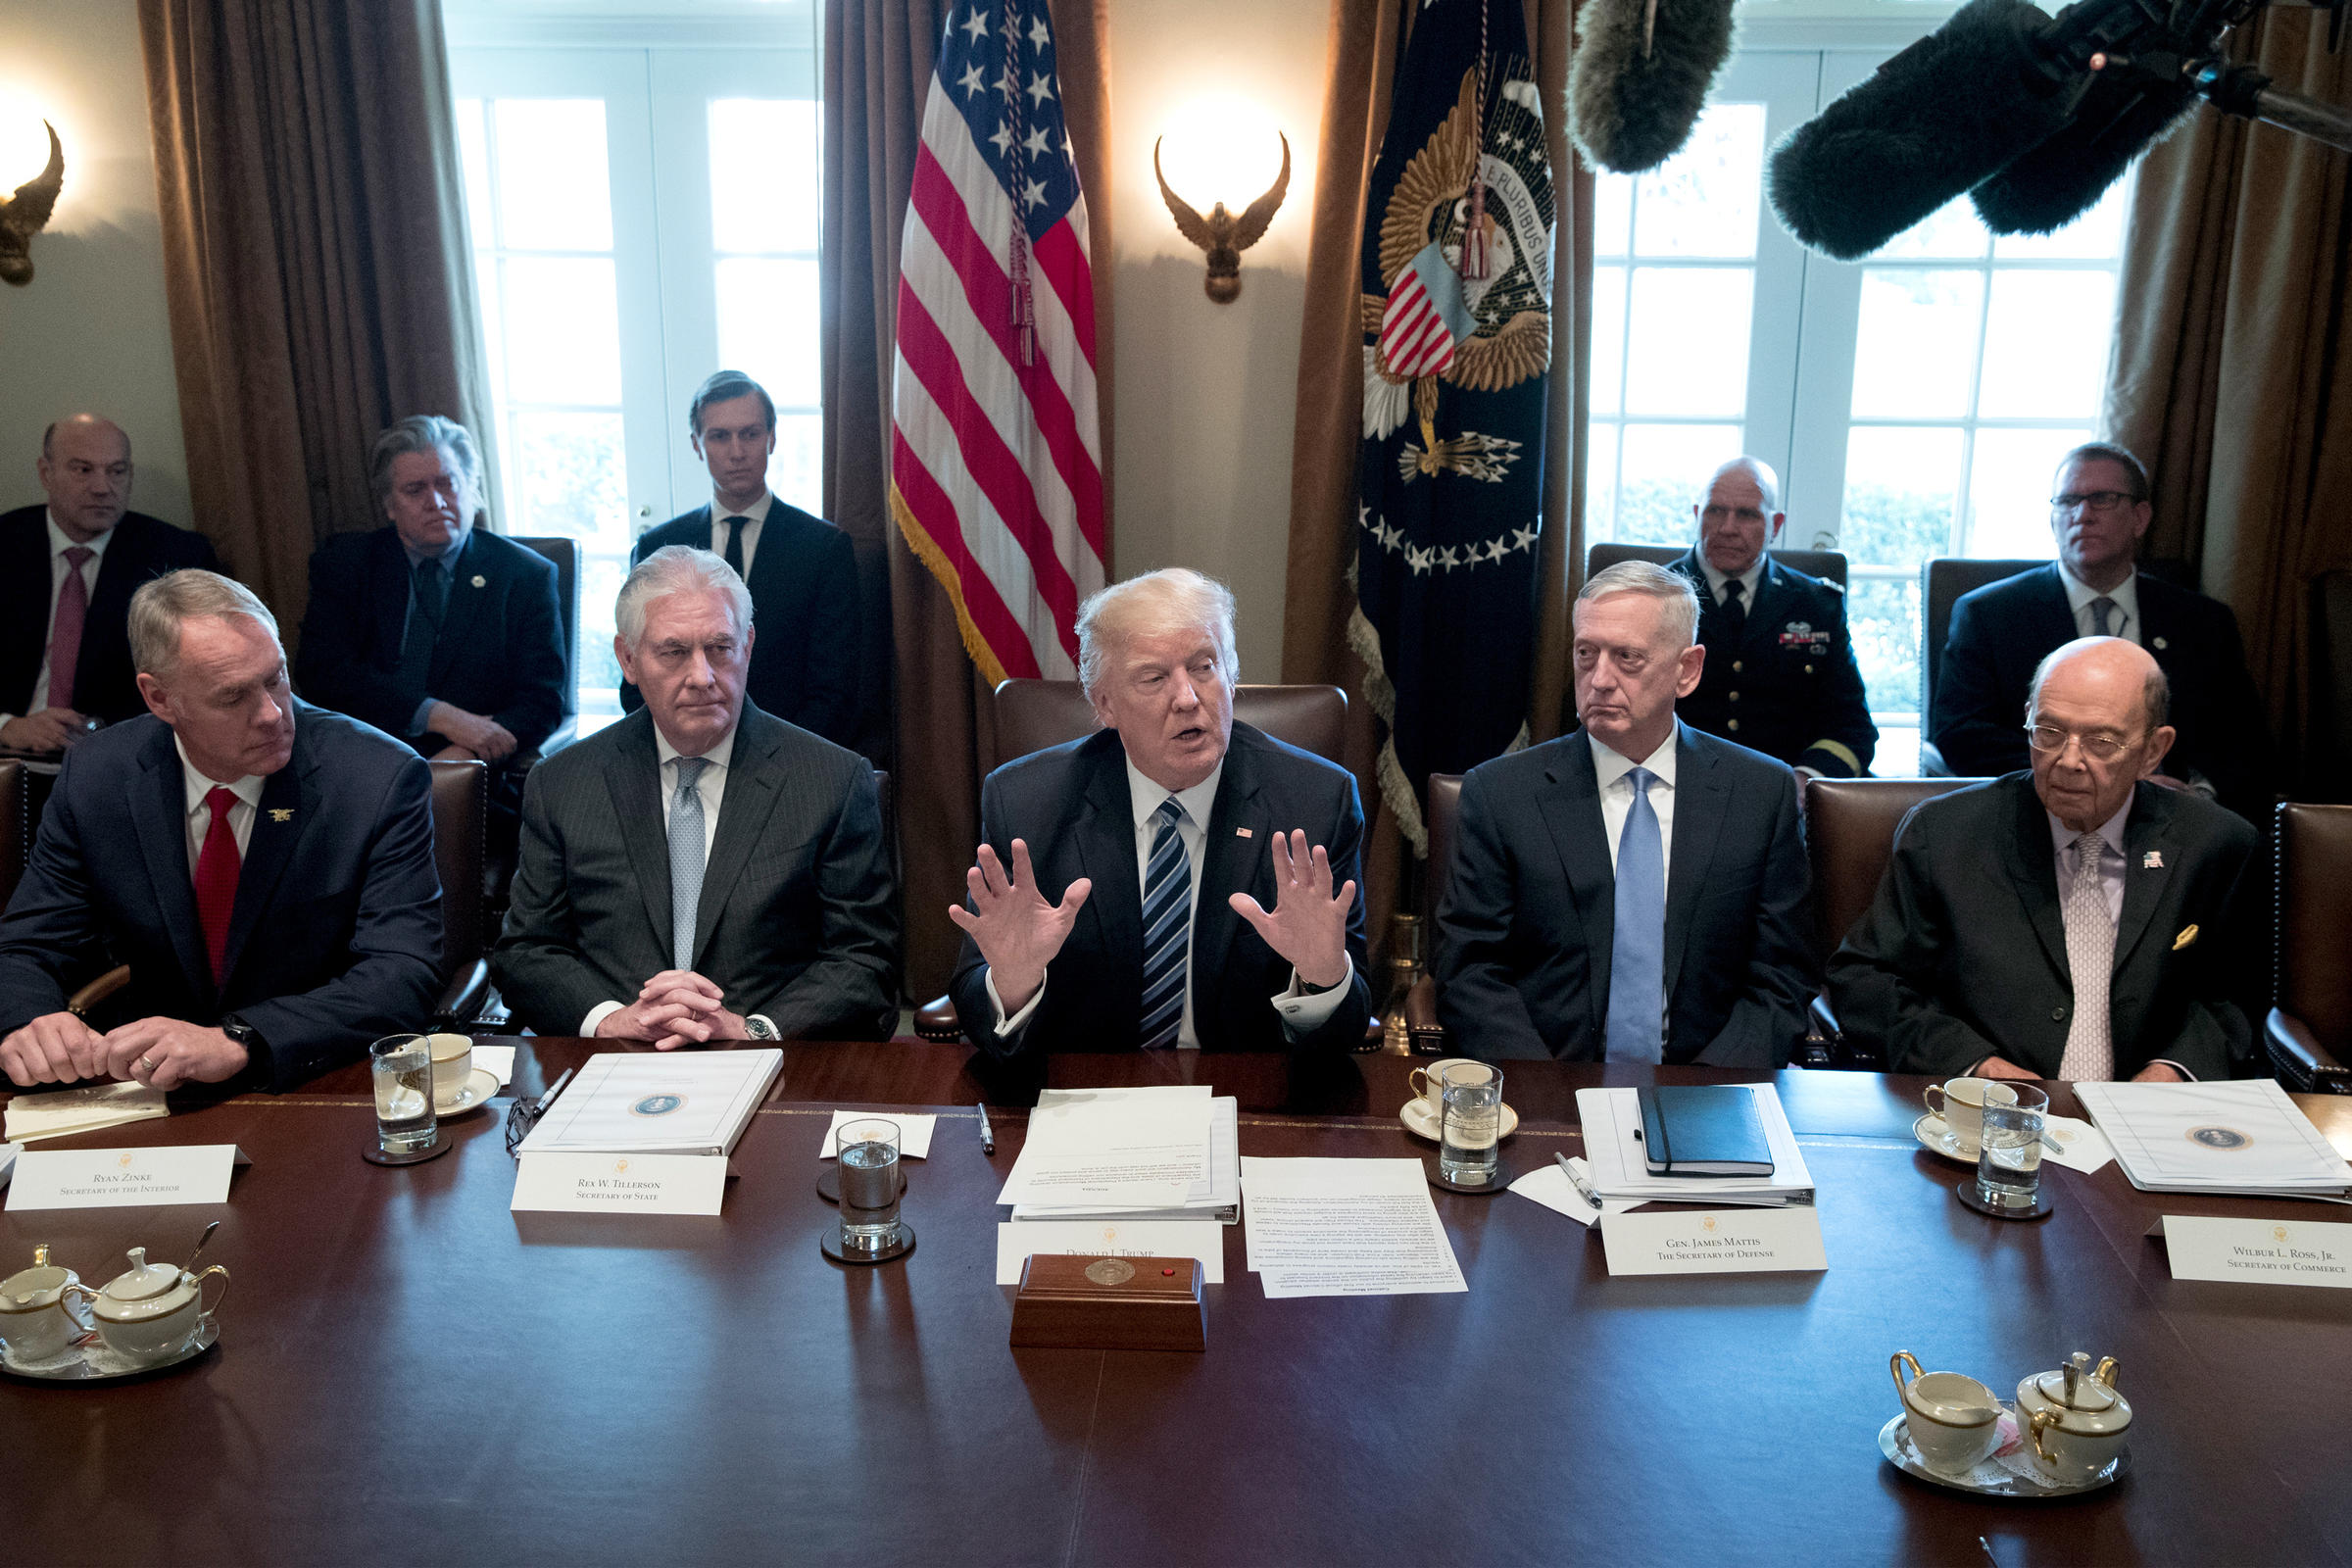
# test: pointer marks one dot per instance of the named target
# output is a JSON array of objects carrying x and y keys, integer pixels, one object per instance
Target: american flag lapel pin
[
  {"x": 2153, "y": 860},
  {"x": 1241, "y": 833}
]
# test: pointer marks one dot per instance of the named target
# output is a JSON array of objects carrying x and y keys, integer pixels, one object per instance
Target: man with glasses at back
[{"x": 2099, "y": 511}]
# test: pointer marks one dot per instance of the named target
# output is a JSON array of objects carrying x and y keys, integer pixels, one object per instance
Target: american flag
[{"x": 995, "y": 463}]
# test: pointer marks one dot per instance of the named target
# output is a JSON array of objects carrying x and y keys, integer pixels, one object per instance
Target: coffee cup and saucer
[
  {"x": 1420, "y": 1114},
  {"x": 1955, "y": 1125},
  {"x": 458, "y": 1086}
]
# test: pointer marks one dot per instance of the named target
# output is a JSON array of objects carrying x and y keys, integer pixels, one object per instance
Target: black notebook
[{"x": 1703, "y": 1130}]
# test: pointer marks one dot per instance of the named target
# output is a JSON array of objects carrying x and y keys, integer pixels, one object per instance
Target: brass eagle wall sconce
[
  {"x": 1223, "y": 235},
  {"x": 26, "y": 213}
]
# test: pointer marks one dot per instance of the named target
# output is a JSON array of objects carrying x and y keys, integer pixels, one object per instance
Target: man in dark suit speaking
[
  {"x": 265, "y": 869},
  {"x": 66, "y": 574},
  {"x": 800, "y": 569},
  {"x": 1636, "y": 891},
  {"x": 2075, "y": 921},
  {"x": 1173, "y": 880},
  {"x": 701, "y": 870}
]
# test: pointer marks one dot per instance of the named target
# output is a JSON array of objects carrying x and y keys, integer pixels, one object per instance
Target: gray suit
[{"x": 795, "y": 921}]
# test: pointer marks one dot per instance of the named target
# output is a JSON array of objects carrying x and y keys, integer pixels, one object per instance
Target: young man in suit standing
[
  {"x": 801, "y": 570},
  {"x": 1636, "y": 891},
  {"x": 66, "y": 574}
]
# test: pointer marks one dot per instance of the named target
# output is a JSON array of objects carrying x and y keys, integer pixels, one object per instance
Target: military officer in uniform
[{"x": 1780, "y": 675}]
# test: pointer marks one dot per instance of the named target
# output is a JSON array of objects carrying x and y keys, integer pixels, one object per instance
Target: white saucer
[
  {"x": 1937, "y": 1137},
  {"x": 1420, "y": 1124},
  {"x": 480, "y": 1085}
]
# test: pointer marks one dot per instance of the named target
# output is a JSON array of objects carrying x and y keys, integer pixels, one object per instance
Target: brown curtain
[
  {"x": 315, "y": 258},
  {"x": 2230, "y": 378},
  {"x": 877, "y": 72},
  {"x": 1367, "y": 37}
]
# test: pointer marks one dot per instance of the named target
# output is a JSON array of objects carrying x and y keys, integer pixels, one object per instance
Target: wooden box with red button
[{"x": 1073, "y": 1302}]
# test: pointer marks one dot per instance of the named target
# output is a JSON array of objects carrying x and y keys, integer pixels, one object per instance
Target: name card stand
[
  {"x": 1110, "y": 1303},
  {"x": 1717, "y": 1241},
  {"x": 620, "y": 1184},
  {"x": 2256, "y": 1252},
  {"x": 123, "y": 1178}
]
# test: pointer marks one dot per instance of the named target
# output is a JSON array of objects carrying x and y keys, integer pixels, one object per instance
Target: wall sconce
[
  {"x": 26, "y": 213},
  {"x": 1221, "y": 234}
]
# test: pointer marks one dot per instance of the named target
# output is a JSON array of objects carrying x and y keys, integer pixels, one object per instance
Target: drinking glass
[
  {"x": 403, "y": 1069},
  {"x": 866, "y": 1157},
  {"x": 2009, "y": 1151},
  {"x": 1468, "y": 1136}
]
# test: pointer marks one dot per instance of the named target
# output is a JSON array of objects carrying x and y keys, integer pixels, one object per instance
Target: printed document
[
  {"x": 1090, "y": 1151},
  {"x": 2241, "y": 1135},
  {"x": 1346, "y": 1227}
]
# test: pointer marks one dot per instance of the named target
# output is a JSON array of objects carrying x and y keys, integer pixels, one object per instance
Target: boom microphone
[
  {"x": 1640, "y": 77},
  {"x": 2053, "y": 184},
  {"x": 1945, "y": 115}
]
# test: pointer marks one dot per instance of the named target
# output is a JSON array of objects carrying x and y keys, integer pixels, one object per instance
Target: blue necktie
[
  {"x": 1167, "y": 924},
  {"x": 685, "y": 859},
  {"x": 1638, "y": 950}
]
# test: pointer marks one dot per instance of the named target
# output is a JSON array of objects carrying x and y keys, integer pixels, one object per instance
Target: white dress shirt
[
  {"x": 198, "y": 816},
  {"x": 59, "y": 543},
  {"x": 712, "y": 787},
  {"x": 1611, "y": 772},
  {"x": 1747, "y": 580},
  {"x": 756, "y": 512},
  {"x": 1303, "y": 1010},
  {"x": 2123, "y": 619}
]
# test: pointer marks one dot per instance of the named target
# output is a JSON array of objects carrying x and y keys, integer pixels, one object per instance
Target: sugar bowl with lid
[
  {"x": 150, "y": 1310},
  {"x": 2075, "y": 1418}
]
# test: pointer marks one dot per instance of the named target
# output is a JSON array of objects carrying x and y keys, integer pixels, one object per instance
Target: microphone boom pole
[{"x": 2247, "y": 93}]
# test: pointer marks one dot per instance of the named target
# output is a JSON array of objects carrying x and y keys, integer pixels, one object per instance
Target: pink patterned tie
[{"x": 65, "y": 628}]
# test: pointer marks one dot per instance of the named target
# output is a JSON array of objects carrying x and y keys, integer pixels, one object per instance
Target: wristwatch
[
  {"x": 245, "y": 1035},
  {"x": 759, "y": 1028}
]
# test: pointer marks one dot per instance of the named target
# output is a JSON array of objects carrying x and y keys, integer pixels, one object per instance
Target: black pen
[{"x": 988, "y": 1140}]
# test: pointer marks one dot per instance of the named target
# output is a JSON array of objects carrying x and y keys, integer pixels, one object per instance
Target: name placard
[
  {"x": 620, "y": 1184},
  {"x": 1715, "y": 1240},
  {"x": 121, "y": 1178},
  {"x": 2255, "y": 1252}
]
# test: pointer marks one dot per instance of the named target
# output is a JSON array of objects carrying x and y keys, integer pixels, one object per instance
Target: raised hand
[
  {"x": 1014, "y": 929},
  {"x": 1310, "y": 922}
]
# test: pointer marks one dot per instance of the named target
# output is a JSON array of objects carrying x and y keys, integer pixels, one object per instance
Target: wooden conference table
[{"x": 409, "y": 1372}]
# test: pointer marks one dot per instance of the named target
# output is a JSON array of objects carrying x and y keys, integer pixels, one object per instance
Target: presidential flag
[
  {"x": 995, "y": 475},
  {"x": 1456, "y": 305}
]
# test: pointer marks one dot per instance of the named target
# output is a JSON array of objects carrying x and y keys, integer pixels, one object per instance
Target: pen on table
[
  {"x": 988, "y": 1140},
  {"x": 553, "y": 1090},
  {"x": 1576, "y": 1179}
]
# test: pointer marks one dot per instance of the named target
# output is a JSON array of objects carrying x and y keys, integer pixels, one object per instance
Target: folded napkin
[{"x": 87, "y": 1109}]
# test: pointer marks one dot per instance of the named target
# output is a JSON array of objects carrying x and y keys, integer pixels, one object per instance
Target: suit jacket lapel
[
  {"x": 1571, "y": 806},
  {"x": 2033, "y": 870},
  {"x": 2055, "y": 614},
  {"x": 387, "y": 589},
  {"x": 2148, "y": 830},
  {"x": 158, "y": 797},
  {"x": 1230, "y": 863},
  {"x": 466, "y": 610},
  {"x": 1699, "y": 813},
  {"x": 1106, "y": 840},
  {"x": 290, "y": 791},
  {"x": 633, "y": 778},
  {"x": 752, "y": 787}
]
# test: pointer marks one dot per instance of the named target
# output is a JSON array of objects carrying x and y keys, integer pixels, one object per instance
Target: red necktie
[
  {"x": 216, "y": 867},
  {"x": 65, "y": 628}
]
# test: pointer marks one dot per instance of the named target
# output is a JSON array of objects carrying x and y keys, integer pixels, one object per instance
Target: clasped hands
[
  {"x": 2155, "y": 1072},
  {"x": 676, "y": 1007},
  {"x": 471, "y": 737},
  {"x": 160, "y": 1053},
  {"x": 1020, "y": 933}
]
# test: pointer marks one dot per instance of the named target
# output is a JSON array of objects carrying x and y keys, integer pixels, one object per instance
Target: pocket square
[{"x": 2188, "y": 934}]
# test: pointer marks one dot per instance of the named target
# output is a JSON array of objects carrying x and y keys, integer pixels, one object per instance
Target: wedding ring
[{"x": 147, "y": 1063}]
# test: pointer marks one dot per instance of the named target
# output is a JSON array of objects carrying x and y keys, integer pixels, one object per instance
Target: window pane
[
  {"x": 763, "y": 169},
  {"x": 2009, "y": 491},
  {"x": 600, "y": 577},
  {"x": 768, "y": 326},
  {"x": 2045, "y": 345},
  {"x": 569, "y": 478},
  {"x": 473, "y": 153},
  {"x": 1666, "y": 467},
  {"x": 1702, "y": 201},
  {"x": 1612, "y": 213},
  {"x": 1901, "y": 489},
  {"x": 1688, "y": 353},
  {"x": 1915, "y": 350},
  {"x": 1601, "y": 482},
  {"x": 1952, "y": 233},
  {"x": 2094, "y": 236},
  {"x": 1881, "y": 615},
  {"x": 494, "y": 327},
  {"x": 1608, "y": 337},
  {"x": 794, "y": 472},
  {"x": 553, "y": 191},
  {"x": 562, "y": 330}
]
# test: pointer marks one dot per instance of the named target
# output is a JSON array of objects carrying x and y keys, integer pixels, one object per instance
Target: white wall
[
  {"x": 1204, "y": 392},
  {"x": 91, "y": 330}
]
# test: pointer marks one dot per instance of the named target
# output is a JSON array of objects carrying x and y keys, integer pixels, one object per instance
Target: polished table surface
[{"x": 408, "y": 1371}]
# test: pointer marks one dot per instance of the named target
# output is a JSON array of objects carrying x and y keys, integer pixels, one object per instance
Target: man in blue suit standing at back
[{"x": 264, "y": 867}]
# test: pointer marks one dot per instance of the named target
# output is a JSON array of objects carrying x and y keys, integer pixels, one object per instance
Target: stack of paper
[
  {"x": 1161, "y": 1152},
  {"x": 671, "y": 1103},
  {"x": 1347, "y": 1227},
  {"x": 1613, "y": 1122},
  {"x": 88, "y": 1109},
  {"x": 2243, "y": 1137}
]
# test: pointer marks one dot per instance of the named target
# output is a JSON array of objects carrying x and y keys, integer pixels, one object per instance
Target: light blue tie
[
  {"x": 1638, "y": 950},
  {"x": 1167, "y": 924},
  {"x": 685, "y": 859}
]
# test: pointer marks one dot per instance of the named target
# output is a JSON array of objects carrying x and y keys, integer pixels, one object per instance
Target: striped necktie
[{"x": 1168, "y": 927}]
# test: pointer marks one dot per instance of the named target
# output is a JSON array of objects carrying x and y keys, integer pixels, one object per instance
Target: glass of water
[
  {"x": 2009, "y": 1155},
  {"x": 403, "y": 1068},
  {"x": 1471, "y": 1129},
  {"x": 866, "y": 1155}
]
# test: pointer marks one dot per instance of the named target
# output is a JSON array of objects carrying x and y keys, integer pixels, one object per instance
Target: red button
[{"x": 1167, "y": 1271}]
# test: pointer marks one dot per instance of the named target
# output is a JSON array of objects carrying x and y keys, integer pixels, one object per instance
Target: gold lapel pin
[
  {"x": 2188, "y": 934},
  {"x": 282, "y": 814}
]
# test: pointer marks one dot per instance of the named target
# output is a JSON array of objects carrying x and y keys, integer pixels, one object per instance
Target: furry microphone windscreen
[
  {"x": 2056, "y": 182},
  {"x": 1630, "y": 111},
  {"x": 1937, "y": 119}
]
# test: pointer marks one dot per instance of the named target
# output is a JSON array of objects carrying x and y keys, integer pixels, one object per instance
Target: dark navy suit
[
  {"x": 104, "y": 685},
  {"x": 336, "y": 935}
]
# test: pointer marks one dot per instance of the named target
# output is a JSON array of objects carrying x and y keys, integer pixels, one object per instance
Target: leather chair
[
  {"x": 1032, "y": 714},
  {"x": 1942, "y": 579},
  {"x": 1849, "y": 836},
  {"x": 460, "y": 804},
  {"x": 1827, "y": 563},
  {"x": 16, "y": 830},
  {"x": 1443, "y": 814},
  {"x": 2309, "y": 1032},
  {"x": 564, "y": 553}
]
